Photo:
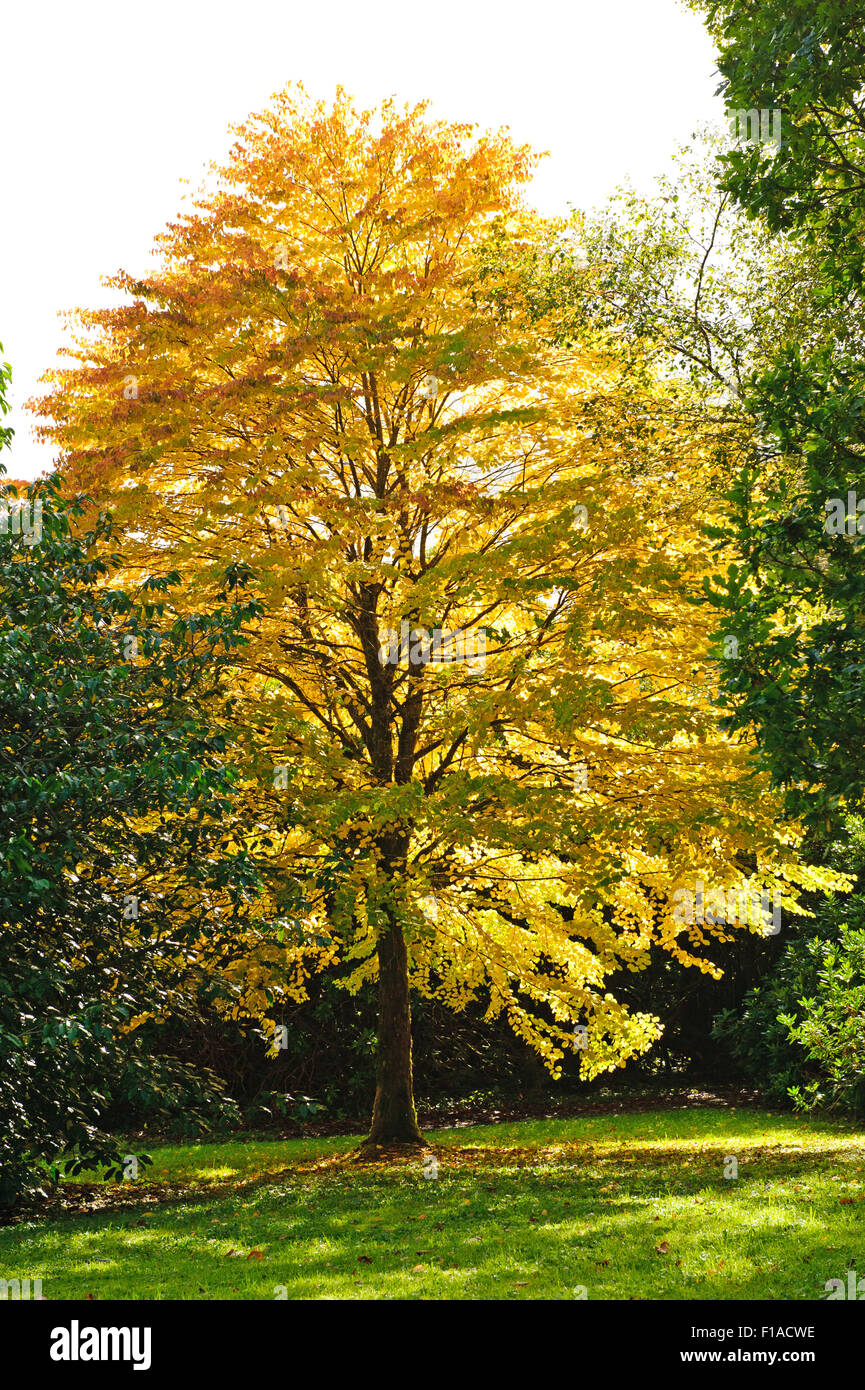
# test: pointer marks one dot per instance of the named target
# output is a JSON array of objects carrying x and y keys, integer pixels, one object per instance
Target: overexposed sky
[{"x": 105, "y": 107}]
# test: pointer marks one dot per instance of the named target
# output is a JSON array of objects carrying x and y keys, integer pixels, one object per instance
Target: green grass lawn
[{"x": 627, "y": 1206}]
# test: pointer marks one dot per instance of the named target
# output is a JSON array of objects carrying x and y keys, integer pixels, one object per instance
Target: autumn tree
[{"x": 479, "y": 751}]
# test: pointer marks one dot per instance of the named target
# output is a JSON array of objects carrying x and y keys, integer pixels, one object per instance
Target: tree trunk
[{"x": 393, "y": 1117}]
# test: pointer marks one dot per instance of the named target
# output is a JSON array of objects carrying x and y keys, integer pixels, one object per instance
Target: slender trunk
[{"x": 393, "y": 1117}]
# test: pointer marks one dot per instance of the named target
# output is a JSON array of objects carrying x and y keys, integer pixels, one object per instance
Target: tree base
[{"x": 394, "y": 1151}]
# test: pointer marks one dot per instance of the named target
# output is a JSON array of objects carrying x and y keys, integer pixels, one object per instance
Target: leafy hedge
[
  {"x": 800, "y": 1033},
  {"x": 115, "y": 813}
]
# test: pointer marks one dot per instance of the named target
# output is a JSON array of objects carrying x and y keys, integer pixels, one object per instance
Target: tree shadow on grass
[{"x": 637, "y": 1222}]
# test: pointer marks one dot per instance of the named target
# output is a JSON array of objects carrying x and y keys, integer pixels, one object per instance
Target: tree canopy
[{"x": 481, "y": 754}]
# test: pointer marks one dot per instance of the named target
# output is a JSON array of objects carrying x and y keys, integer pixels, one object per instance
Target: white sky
[{"x": 106, "y": 107}]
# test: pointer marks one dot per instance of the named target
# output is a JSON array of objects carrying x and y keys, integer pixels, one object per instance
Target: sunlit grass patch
[{"x": 621, "y": 1206}]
